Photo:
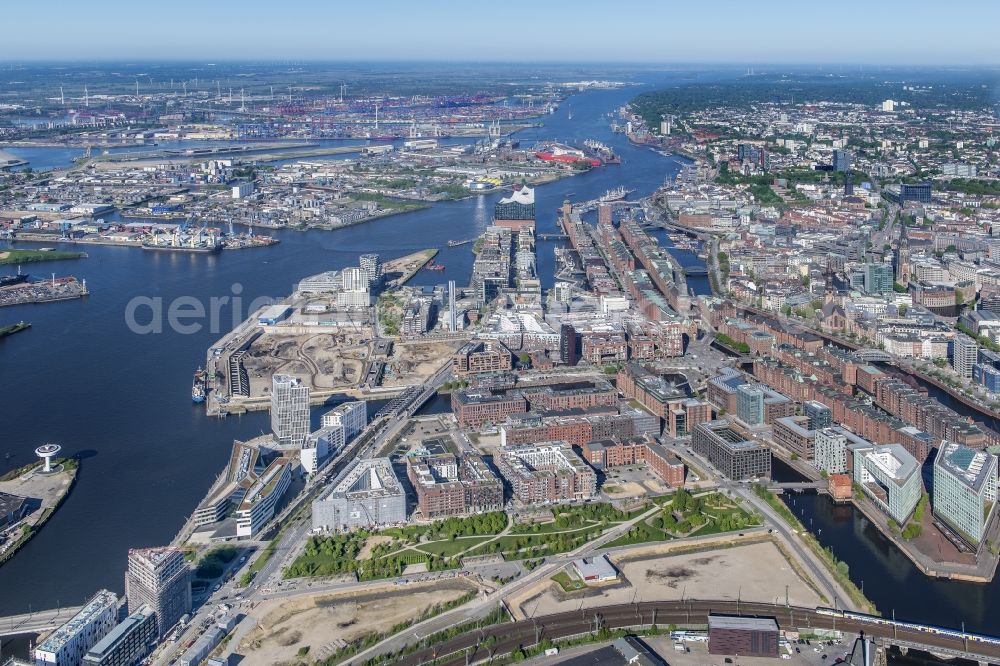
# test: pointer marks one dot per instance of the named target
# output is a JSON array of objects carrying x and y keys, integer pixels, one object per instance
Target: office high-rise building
[
  {"x": 289, "y": 410},
  {"x": 819, "y": 415},
  {"x": 372, "y": 267},
  {"x": 965, "y": 489},
  {"x": 452, "y": 313},
  {"x": 750, "y": 404},
  {"x": 965, "y": 353},
  {"x": 568, "y": 353},
  {"x": 355, "y": 279},
  {"x": 920, "y": 193},
  {"x": 878, "y": 278},
  {"x": 889, "y": 477},
  {"x": 161, "y": 579},
  {"x": 842, "y": 160}
]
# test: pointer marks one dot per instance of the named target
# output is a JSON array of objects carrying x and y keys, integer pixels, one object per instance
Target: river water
[
  {"x": 121, "y": 401},
  {"x": 889, "y": 579}
]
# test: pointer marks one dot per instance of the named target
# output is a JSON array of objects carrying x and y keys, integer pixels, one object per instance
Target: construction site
[
  {"x": 319, "y": 624},
  {"x": 751, "y": 568}
]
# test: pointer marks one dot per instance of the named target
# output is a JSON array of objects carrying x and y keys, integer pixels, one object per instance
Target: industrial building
[
  {"x": 207, "y": 642},
  {"x": 450, "y": 486},
  {"x": 743, "y": 636},
  {"x": 890, "y": 477},
  {"x": 597, "y": 569},
  {"x": 965, "y": 490},
  {"x": 366, "y": 494},
  {"x": 273, "y": 314},
  {"x": 730, "y": 452},
  {"x": 13, "y": 508},
  {"x": 128, "y": 643},
  {"x": 353, "y": 416},
  {"x": 547, "y": 472},
  {"x": 70, "y": 643},
  {"x": 159, "y": 578},
  {"x": 289, "y": 410},
  {"x": 475, "y": 407}
]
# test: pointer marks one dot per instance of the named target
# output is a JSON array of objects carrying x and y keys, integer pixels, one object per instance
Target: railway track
[{"x": 488, "y": 642}]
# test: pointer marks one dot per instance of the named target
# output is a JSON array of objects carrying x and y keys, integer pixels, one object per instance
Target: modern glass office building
[
  {"x": 289, "y": 410},
  {"x": 965, "y": 490},
  {"x": 890, "y": 477}
]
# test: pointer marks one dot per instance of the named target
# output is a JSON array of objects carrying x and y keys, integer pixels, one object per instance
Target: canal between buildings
[{"x": 888, "y": 577}]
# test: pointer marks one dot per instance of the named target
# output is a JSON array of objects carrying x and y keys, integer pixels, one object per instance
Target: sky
[{"x": 652, "y": 31}]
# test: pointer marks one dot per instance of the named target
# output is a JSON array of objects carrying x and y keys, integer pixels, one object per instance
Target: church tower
[{"x": 903, "y": 258}]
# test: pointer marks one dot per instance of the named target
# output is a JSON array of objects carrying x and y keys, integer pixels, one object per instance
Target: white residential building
[
  {"x": 353, "y": 416},
  {"x": 68, "y": 644},
  {"x": 320, "y": 445}
]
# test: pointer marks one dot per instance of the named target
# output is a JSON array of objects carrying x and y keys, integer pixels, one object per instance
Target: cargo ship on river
[
  {"x": 557, "y": 152},
  {"x": 200, "y": 243}
]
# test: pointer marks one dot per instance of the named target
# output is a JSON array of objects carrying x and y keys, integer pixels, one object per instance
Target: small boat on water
[{"x": 198, "y": 386}]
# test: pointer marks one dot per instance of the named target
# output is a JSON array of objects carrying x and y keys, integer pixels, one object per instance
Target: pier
[
  {"x": 56, "y": 289},
  {"x": 400, "y": 271}
]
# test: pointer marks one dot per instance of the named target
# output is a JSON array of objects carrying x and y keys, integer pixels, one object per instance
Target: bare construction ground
[
  {"x": 43, "y": 492},
  {"x": 416, "y": 361},
  {"x": 320, "y": 621},
  {"x": 399, "y": 271},
  {"x": 327, "y": 360},
  {"x": 753, "y": 572}
]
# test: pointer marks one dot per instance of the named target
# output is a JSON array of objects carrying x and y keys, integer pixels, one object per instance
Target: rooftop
[
  {"x": 971, "y": 467},
  {"x": 894, "y": 460},
  {"x": 366, "y": 478},
  {"x": 101, "y": 602},
  {"x": 116, "y": 635},
  {"x": 743, "y": 623}
]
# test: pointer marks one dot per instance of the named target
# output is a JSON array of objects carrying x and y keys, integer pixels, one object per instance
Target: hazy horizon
[{"x": 779, "y": 32}]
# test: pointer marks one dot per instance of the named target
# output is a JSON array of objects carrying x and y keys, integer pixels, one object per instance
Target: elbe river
[{"x": 121, "y": 400}]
